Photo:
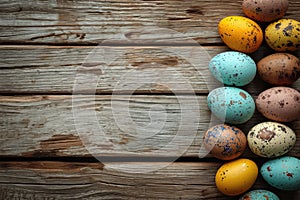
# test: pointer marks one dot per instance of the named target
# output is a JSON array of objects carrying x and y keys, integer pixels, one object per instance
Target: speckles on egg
[
  {"x": 265, "y": 11},
  {"x": 240, "y": 33},
  {"x": 279, "y": 68},
  {"x": 225, "y": 142},
  {"x": 233, "y": 68},
  {"x": 282, "y": 173},
  {"x": 231, "y": 105},
  {"x": 271, "y": 139},
  {"x": 283, "y": 35},
  {"x": 259, "y": 195},
  {"x": 280, "y": 104}
]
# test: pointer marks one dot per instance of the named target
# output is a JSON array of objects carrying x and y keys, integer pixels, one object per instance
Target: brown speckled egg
[
  {"x": 265, "y": 11},
  {"x": 280, "y": 104},
  {"x": 271, "y": 139},
  {"x": 240, "y": 33},
  {"x": 225, "y": 142},
  {"x": 279, "y": 69},
  {"x": 283, "y": 35}
]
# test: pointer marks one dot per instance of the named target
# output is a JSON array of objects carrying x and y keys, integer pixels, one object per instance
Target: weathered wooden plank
[
  {"x": 43, "y": 69},
  {"x": 31, "y": 69},
  {"x": 62, "y": 180},
  {"x": 139, "y": 125},
  {"x": 92, "y": 21}
]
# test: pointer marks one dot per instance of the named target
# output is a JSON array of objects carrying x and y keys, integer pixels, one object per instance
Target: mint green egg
[
  {"x": 259, "y": 195},
  {"x": 233, "y": 68},
  {"x": 282, "y": 173},
  {"x": 231, "y": 105}
]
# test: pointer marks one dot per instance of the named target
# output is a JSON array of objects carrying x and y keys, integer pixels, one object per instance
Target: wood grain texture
[
  {"x": 39, "y": 120},
  {"x": 54, "y": 70},
  {"x": 155, "y": 125},
  {"x": 92, "y": 21},
  {"x": 62, "y": 180},
  {"x": 43, "y": 69}
]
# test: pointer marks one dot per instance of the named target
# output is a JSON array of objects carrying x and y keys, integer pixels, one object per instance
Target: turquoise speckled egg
[
  {"x": 231, "y": 105},
  {"x": 233, "y": 68},
  {"x": 282, "y": 173},
  {"x": 259, "y": 194}
]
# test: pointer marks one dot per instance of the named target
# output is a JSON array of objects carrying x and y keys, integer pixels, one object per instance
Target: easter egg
[
  {"x": 259, "y": 194},
  {"x": 231, "y": 105},
  {"x": 282, "y": 173},
  {"x": 265, "y": 11},
  {"x": 279, "y": 69},
  {"x": 233, "y": 68},
  {"x": 271, "y": 139},
  {"x": 283, "y": 35},
  {"x": 225, "y": 142},
  {"x": 280, "y": 104},
  {"x": 236, "y": 177},
  {"x": 240, "y": 33}
]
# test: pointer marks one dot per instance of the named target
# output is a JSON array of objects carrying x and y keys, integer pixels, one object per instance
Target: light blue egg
[
  {"x": 282, "y": 173},
  {"x": 259, "y": 195},
  {"x": 233, "y": 68},
  {"x": 231, "y": 105}
]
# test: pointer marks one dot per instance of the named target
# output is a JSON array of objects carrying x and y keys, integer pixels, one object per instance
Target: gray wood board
[
  {"x": 92, "y": 22},
  {"x": 65, "y": 180},
  {"x": 121, "y": 125},
  {"x": 104, "y": 70}
]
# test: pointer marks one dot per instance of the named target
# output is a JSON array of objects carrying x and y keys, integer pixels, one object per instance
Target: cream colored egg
[{"x": 271, "y": 139}]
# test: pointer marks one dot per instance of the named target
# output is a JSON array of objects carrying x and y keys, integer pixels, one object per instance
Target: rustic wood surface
[
  {"x": 44, "y": 70},
  {"x": 45, "y": 126},
  {"x": 46, "y": 47},
  {"x": 92, "y": 21},
  {"x": 36, "y": 69},
  {"x": 65, "y": 180}
]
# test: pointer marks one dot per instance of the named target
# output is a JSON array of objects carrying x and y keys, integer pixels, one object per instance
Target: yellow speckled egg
[
  {"x": 236, "y": 177},
  {"x": 240, "y": 33},
  {"x": 283, "y": 35}
]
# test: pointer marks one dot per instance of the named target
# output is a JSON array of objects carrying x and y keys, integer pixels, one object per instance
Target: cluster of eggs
[
  {"x": 245, "y": 35},
  {"x": 233, "y": 105}
]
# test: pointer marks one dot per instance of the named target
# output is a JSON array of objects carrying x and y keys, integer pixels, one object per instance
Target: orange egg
[
  {"x": 236, "y": 177},
  {"x": 225, "y": 142},
  {"x": 240, "y": 33}
]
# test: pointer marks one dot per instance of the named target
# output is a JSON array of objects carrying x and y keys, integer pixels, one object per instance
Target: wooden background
[{"x": 44, "y": 43}]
